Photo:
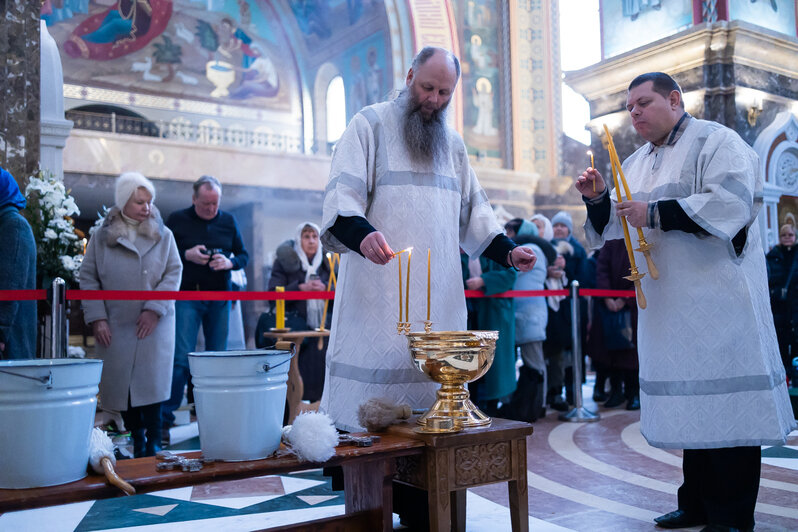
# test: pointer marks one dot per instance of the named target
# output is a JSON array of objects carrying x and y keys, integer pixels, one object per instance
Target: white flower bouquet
[{"x": 49, "y": 212}]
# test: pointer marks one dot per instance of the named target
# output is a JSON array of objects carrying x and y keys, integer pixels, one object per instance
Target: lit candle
[
  {"x": 400, "y": 287},
  {"x": 429, "y": 286},
  {"x": 280, "y": 319},
  {"x": 329, "y": 286},
  {"x": 84, "y": 242},
  {"x": 590, "y": 153},
  {"x": 407, "y": 300}
]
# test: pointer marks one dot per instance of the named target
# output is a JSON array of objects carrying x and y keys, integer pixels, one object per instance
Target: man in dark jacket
[{"x": 206, "y": 237}]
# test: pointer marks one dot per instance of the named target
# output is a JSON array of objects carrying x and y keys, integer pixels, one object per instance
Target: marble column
[{"x": 19, "y": 87}]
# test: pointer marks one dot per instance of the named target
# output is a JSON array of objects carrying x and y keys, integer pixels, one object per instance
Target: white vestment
[
  {"x": 438, "y": 206},
  {"x": 710, "y": 371}
]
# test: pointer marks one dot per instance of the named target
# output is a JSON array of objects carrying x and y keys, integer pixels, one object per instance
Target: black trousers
[
  {"x": 721, "y": 485},
  {"x": 147, "y": 417}
]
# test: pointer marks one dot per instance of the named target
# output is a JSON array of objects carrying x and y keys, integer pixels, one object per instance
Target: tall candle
[
  {"x": 329, "y": 286},
  {"x": 626, "y": 238},
  {"x": 614, "y": 155},
  {"x": 400, "y": 287},
  {"x": 590, "y": 152},
  {"x": 407, "y": 300},
  {"x": 429, "y": 286},
  {"x": 280, "y": 319}
]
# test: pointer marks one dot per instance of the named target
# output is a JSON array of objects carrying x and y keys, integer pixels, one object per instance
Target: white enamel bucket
[
  {"x": 240, "y": 398},
  {"x": 47, "y": 411}
]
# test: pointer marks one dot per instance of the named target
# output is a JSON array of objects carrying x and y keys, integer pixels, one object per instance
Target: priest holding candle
[
  {"x": 401, "y": 178},
  {"x": 711, "y": 379}
]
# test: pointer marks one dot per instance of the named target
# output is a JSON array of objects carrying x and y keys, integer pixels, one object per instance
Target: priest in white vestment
[
  {"x": 711, "y": 380},
  {"x": 401, "y": 178}
]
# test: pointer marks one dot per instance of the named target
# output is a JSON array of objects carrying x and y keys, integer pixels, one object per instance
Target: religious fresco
[
  {"x": 365, "y": 73},
  {"x": 777, "y": 15},
  {"x": 223, "y": 51},
  {"x": 628, "y": 24},
  {"x": 478, "y": 25},
  {"x": 323, "y": 20}
]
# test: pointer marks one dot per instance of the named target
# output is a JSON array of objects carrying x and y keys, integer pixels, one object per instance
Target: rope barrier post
[
  {"x": 578, "y": 414},
  {"x": 58, "y": 333}
]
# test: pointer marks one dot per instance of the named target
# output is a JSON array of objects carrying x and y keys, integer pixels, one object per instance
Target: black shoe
[
  {"x": 678, "y": 519},
  {"x": 165, "y": 437},
  {"x": 633, "y": 403},
  {"x": 616, "y": 399},
  {"x": 600, "y": 396},
  {"x": 724, "y": 528},
  {"x": 559, "y": 404},
  {"x": 152, "y": 447}
]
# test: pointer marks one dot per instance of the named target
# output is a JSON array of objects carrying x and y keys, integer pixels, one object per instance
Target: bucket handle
[
  {"x": 282, "y": 345},
  {"x": 268, "y": 367},
  {"x": 48, "y": 380}
]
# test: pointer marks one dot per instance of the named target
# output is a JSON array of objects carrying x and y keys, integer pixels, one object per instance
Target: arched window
[{"x": 336, "y": 109}]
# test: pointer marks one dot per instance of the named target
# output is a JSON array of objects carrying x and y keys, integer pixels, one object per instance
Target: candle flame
[
  {"x": 406, "y": 250},
  {"x": 589, "y": 152}
]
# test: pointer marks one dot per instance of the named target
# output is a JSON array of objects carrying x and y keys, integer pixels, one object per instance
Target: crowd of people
[{"x": 709, "y": 376}]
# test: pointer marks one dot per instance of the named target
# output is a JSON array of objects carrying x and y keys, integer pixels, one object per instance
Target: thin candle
[
  {"x": 429, "y": 286},
  {"x": 400, "y": 287},
  {"x": 614, "y": 154},
  {"x": 626, "y": 238},
  {"x": 407, "y": 300},
  {"x": 329, "y": 286},
  {"x": 590, "y": 153}
]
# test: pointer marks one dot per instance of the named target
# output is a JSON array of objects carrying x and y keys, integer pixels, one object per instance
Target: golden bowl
[{"x": 453, "y": 358}]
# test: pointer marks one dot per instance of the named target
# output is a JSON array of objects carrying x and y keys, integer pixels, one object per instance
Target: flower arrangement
[{"x": 49, "y": 212}]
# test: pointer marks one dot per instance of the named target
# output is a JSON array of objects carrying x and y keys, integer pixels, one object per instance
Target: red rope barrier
[{"x": 210, "y": 295}]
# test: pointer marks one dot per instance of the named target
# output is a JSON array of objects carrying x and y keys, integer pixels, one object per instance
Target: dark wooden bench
[{"x": 368, "y": 473}]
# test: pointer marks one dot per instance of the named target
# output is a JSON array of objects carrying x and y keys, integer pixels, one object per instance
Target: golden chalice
[{"x": 453, "y": 358}]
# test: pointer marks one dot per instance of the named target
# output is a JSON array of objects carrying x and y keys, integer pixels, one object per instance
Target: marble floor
[{"x": 594, "y": 477}]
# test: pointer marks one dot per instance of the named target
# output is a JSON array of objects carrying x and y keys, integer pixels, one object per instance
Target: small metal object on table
[
  {"x": 295, "y": 385},
  {"x": 452, "y": 463}
]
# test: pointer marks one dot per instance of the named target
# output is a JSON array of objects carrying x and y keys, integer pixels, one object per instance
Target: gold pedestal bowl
[{"x": 453, "y": 358}]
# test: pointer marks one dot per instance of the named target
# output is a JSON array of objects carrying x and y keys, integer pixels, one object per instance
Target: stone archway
[{"x": 777, "y": 147}]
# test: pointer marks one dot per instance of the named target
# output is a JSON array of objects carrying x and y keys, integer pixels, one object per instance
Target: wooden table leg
[
  {"x": 517, "y": 489},
  {"x": 295, "y": 386},
  {"x": 458, "y": 500},
  {"x": 368, "y": 486},
  {"x": 438, "y": 496}
]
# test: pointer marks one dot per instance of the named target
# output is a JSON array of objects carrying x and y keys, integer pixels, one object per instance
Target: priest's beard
[{"x": 425, "y": 138}]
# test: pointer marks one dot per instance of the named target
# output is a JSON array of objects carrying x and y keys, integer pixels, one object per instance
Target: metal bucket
[
  {"x": 47, "y": 411},
  {"x": 240, "y": 399}
]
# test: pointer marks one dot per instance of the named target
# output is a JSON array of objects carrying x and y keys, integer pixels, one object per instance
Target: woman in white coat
[{"x": 133, "y": 250}]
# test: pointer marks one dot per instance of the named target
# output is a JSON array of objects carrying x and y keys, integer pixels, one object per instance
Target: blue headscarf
[{"x": 9, "y": 191}]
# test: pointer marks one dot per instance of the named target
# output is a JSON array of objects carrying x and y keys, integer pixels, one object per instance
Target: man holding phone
[{"x": 206, "y": 237}]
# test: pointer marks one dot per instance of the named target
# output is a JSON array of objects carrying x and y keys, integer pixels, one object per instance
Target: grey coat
[{"x": 140, "y": 369}]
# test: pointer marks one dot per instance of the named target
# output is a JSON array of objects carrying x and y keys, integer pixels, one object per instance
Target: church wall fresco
[
  {"x": 777, "y": 15},
  {"x": 627, "y": 24},
  {"x": 222, "y": 51},
  {"x": 478, "y": 24},
  {"x": 366, "y": 79}
]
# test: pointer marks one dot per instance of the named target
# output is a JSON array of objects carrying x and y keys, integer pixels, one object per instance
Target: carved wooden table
[
  {"x": 451, "y": 463},
  {"x": 368, "y": 472},
  {"x": 296, "y": 387}
]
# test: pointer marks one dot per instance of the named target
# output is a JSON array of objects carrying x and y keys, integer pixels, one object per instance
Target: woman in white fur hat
[{"x": 133, "y": 250}]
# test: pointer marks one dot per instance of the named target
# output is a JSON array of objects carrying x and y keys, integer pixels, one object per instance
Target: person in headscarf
[
  {"x": 301, "y": 265},
  {"x": 17, "y": 272},
  {"x": 782, "y": 268},
  {"x": 134, "y": 250}
]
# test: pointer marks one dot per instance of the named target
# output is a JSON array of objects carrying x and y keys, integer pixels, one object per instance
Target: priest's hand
[
  {"x": 636, "y": 212},
  {"x": 375, "y": 248},
  {"x": 584, "y": 183},
  {"x": 522, "y": 258},
  {"x": 146, "y": 323},
  {"x": 102, "y": 332}
]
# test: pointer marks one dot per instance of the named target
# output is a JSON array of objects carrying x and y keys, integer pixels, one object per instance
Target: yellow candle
[
  {"x": 429, "y": 286},
  {"x": 400, "y": 287},
  {"x": 626, "y": 238},
  {"x": 407, "y": 300},
  {"x": 280, "y": 320},
  {"x": 614, "y": 155},
  {"x": 590, "y": 152},
  {"x": 329, "y": 285}
]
